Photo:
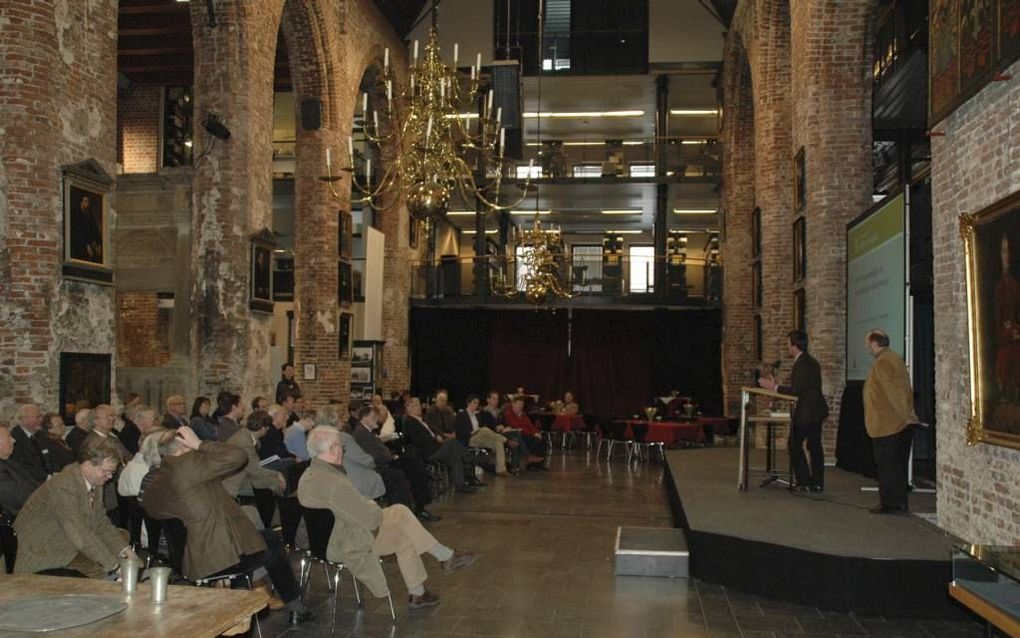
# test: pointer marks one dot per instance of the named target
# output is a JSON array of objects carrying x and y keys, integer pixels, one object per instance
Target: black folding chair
[
  {"x": 8, "y": 541},
  {"x": 320, "y": 526}
]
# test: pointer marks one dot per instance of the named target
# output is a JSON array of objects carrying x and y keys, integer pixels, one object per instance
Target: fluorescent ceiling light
[
  {"x": 695, "y": 211},
  {"x": 625, "y": 232},
  {"x": 688, "y": 142},
  {"x": 623, "y": 211},
  {"x": 545, "y": 114},
  {"x": 457, "y": 213},
  {"x": 462, "y": 116},
  {"x": 472, "y": 232},
  {"x": 592, "y": 143},
  {"x": 530, "y": 212},
  {"x": 694, "y": 111}
]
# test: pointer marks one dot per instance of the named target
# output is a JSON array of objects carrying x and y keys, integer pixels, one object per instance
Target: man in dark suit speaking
[{"x": 808, "y": 415}]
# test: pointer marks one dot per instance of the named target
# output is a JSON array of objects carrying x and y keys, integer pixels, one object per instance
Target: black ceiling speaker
[
  {"x": 215, "y": 127},
  {"x": 311, "y": 114}
]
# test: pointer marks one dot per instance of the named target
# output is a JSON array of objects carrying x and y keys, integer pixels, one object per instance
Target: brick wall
[
  {"x": 832, "y": 123},
  {"x": 975, "y": 164},
  {"x": 143, "y": 333},
  {"x": 738, "y": 205},
  {"x": 58, "y": 62},
  {"x": 138, "y": 109}
]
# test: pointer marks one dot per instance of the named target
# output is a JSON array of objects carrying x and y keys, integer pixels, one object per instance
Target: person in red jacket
[{"x": 516, "y": 418}]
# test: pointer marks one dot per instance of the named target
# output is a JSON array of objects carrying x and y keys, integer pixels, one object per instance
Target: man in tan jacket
[
  {"x": 363, "y": 531},
  {"x": 63, "y": 525},
  {"x": 888, "y": 414}
]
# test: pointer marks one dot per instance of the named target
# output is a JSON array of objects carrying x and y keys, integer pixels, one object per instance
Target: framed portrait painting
[
  {"x": 346, "y": 334},
  {"x": 86, "y": 194},
  {"x": 799, "y": 180},
  {"x": 345, "y": 283},
  {"x": 261, "y": 275},
  {"x": 799, "y": 249},
  {"x": 84, "y": 382},
  {"x": 992, "y": 247}
]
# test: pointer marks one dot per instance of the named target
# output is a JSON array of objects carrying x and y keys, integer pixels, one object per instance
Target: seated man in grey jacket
[
  {"x": 362, "y": 531},
  {"x": 358, "y": 463}
]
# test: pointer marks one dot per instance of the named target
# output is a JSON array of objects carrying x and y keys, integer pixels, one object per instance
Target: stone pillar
[
  {"x": 398, "y": 257},
  {"x": 232, "y": 196},
  {"x": 58, "y": 92},
  {"x": 831, "y": 62},
  {"x": 738, "y": 357}
]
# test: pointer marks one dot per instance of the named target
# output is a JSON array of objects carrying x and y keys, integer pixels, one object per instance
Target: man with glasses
[
  {"x": 63, "y": 526},
  {"x": 175, "y": 415}
]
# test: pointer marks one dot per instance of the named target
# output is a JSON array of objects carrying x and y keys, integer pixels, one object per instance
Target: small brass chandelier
[
  {"x": 439, "y": 135},
  {"x": 539, "y": 265}
]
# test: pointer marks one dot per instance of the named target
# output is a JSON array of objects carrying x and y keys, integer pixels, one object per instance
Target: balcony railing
[
  {"x": 685, "y": 157},
  {"x": 589, "y": 279}
]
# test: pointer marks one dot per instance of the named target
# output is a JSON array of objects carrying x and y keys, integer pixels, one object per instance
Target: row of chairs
[{"x": 614, "y": 434}]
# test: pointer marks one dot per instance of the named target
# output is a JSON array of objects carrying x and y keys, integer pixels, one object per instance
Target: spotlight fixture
[{"x": 215, "y": 127}]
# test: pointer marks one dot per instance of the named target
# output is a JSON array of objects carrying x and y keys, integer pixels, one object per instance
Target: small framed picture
[
  {"x": 87, "y": 254},
  {"x": 345, "y": 234},
  {"x": 799, "y": 181},
  {"x": 261, "y": 277},
  {"x": 308, "y": 372},
  {"x": 345, "y": 334},
  {"x": 756, "y": 232},
  {"x": 345, "y": 283},
  {"x": 799, "y": 249},
  {"x": 799, "y": 310},
  {"x": 361, "y": 356},
  {"x": 756, "y": 285},
  {"x": 361, "y": 375}
]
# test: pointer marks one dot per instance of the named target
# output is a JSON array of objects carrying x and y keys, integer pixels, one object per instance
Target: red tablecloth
[
  {"x": 568, "y": 422},
  {"x": 669, "y": 432},
  {"x": 718, "y": 424}
]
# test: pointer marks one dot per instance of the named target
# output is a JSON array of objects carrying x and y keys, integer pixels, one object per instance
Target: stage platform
[{"x": 825, "y": 550}]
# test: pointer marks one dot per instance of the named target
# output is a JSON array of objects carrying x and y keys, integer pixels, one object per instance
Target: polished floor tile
[{"x": 545, "y": 570}]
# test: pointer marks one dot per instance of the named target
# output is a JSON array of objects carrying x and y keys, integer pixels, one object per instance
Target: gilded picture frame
[
  {"x": 87, "y": 233},
  {"x": 992, "y": 248}
]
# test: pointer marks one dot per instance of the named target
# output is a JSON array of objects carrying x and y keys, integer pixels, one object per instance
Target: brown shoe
[
  {"x": 458, "y": 561},
  {"x": 428, "y": 599},
  {"x": 273, "y": 602}
]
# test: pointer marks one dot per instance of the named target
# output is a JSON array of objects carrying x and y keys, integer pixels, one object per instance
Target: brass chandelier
[
  {"x": 540, "y": 263},
  {"x": 439, "y": 135}
]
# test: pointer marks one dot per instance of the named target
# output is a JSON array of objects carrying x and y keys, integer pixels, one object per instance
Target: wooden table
[{"x": 188, "y": 611}]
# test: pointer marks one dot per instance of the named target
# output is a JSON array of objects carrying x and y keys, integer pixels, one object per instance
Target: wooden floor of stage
[{"x": 835, "y": 522}]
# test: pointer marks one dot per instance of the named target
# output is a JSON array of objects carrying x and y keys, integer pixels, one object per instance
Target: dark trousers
[
  {"x": 417, "y": 479},
  {"x": 812, "y": 433},
  {"x": 398, "y": 492},
  {"x": 265, "y": 503},
  {"x": 274, "y": 560},
  {"x": 536, "y": 445},
  {"x": 453, "y": 455},
  {"x": 892, "y": 455}
]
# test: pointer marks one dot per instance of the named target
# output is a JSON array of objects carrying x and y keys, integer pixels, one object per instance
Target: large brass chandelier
[
  {"x": 539, "y": 265},
  {"x": 438, "y": 134}
]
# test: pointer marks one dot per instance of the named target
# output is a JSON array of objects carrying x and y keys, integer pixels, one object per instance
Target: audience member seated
[
  {"x": 201, "y": 421},
  {"x": 129, "y": 484},
  {"x": 472, "y": 433},
  {"x": 51, "y": 438},
  {"x": 63, "y": 524},
  {"x": 231, "y": 411},
  {"x": 388, "y": 428},
  {"x": 406, "y": 479},
  {"x": 253, "y": 475},
  {"x": 142, "y": 421},
  {"x": 362, "y": 531},
  {"x": 16, "y": 485},
  {"x": 516, "y": 418},
  {"x": 28, "y": 454},
  {"x": 440, "y": 416},
  {"x": 272, "y": 443},
  {"x": 221, "y": 539},
  {"x": 260, "y": 404},
  {"x": 289, "y": 404},
  {"x": 491, "y": 416},
  {"x": 357, "y": 462},
  {"x": 430, "y": 446},
  {"x": 295, "y": 437},
  {"x": 175, "y": 417},
  {"x": 568, "y": 406},
  {"x": 81, "y": 429}
]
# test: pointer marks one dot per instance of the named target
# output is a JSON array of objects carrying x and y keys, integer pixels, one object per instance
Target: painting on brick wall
[
  {"x": 992, "y": 238},
  {"x": 84, "y": 382},
  {"x": 261, "y": 276},
  {"x": 971, "y": 41},
  {"x": 86, "y": 230}
]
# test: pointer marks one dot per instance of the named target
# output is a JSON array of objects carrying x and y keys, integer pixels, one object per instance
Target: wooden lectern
[{"x": 769, "y": 418}]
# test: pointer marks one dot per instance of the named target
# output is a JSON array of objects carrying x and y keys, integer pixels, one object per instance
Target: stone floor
[{"x": 545, "y": 571}]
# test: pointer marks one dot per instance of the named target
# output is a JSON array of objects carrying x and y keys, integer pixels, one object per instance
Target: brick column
[
  {"x": 232, "y": 193},
  {"x": 831, "y": 61},
  {"x": 738, "y": 203},
  {"x": 773, "y": 159},
  {"x": 58, "y": 91}
]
